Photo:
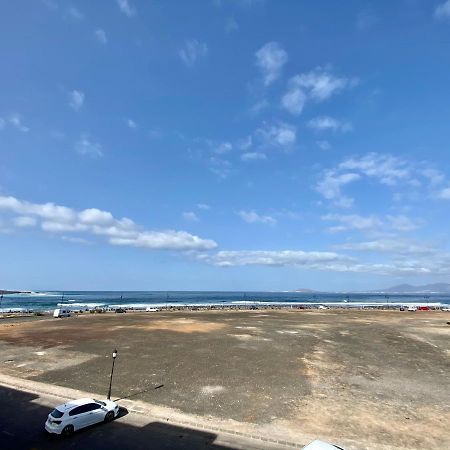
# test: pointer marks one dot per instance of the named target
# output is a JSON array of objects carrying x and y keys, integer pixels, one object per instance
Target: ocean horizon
[{"x": 48, "y": 300}]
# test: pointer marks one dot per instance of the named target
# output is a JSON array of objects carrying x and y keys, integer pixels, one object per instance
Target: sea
[{"x": 79, "y": 300}]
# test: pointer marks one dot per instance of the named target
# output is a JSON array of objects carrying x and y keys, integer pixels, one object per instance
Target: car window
[
  {"x": 99, "y": 402},
  {"x": 78, "y": 410},
  {"x": 92, "y": 406},
  {"x": 56, "y": 413}
]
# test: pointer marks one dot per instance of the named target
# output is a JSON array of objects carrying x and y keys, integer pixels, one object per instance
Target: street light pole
[{"x": 114, "y": 356}]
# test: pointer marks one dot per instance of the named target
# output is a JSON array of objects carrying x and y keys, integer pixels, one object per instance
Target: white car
[
  {"x": 319, "y": 445},
  {"x": 77, "y": 414}
]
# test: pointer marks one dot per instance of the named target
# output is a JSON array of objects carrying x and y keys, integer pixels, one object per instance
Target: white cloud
[
  {"x": 95, "y": 222},
  {"x": 353, "y": 222},
  {"x": 386, "y": 169},
  {"x": 332, "y": 182},
  {"x": 126, "y": 8},
  {"x": 86, "y": 147},
  {"x": 371, "y": 223},
  {"x": 2, "y": 123},
  {"x": 16, "y": 121},
  {"x": 190, "y": 216},
  {"x": 270, "y": 59},
  {"x": 203, "y": 206},
  {"x": 324, "y": 123},
  {"x": 192, "y": 51},
  {"x": 294, "y": 99},
  {"x": 254, "y": 217},
  {"x": 278, "y": 135},
  {"x": 442, "y": 11},
  {"x": 253, "y": 156},
  {"x": 444, "y": 194},
  {"x": 317, "y": 85},
  {"x": 395, "y": 246},
  {"x": 76, "y": 99},
  {"x": 329, "y": 262},
  {"x": 100, "y": 35},
  {"x": 131, "y": 124},
  {"x": 24, "y": 221},
  {"x": 274, "y": 258},
  {"x": 403, "y": 223}
]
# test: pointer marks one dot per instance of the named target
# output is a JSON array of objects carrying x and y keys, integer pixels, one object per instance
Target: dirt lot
[{"x": 377, "y": 378}]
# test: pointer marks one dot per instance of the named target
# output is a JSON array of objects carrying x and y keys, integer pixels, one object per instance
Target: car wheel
[
  {"x": 67, "y": 430},
  {"x": 109, "y": 416}
]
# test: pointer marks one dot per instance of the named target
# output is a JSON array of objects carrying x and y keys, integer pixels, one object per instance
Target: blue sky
[{"x": 224, "y": 144}]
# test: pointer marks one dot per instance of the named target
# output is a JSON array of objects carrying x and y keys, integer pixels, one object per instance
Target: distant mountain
[{"x": 424, "y": 289}]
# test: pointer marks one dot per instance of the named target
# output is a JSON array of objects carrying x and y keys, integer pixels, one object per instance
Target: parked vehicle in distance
[
  {"x": 60, "y": 312},
  {"x": 412, "y": 308},
  {"x": 402, "y": 308},
  {"x": 148, "y": 309},
  {"x": 77, "y": 414},
  {"x": 120, "y": 310},
  {"x": 320, "y": 445}
]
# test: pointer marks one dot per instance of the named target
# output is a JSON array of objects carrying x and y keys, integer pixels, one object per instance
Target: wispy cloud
[
  {"x": 126, "y": 8},
  {"x": 190, "y": 216},
  {"x": 131, "y": 124},
  {"x": 191, "y": 51},
  {"x": 100, "y": 35},
  {"x": 16, "y": 121},
  {"x": 328, "y": 262},
  {"x": 74, "y": 13},
  {"x": 444, "y": 193},
  {"x": 203, "y": 206},
  {"x": 442, "y": 11},
  {"x": 353, "y": 222},
  {"x": 317, "y": 85},
  {"x": 254, "y": 217},
  {"x": 57, "y": 219},
  {"x": 365, "y": 20},
  {"x": 270, "y": 59},
  {"x": 330, "y": 186},
  {"x": 372, "y": 223},
  {"x": 231, "y": 25},
  {"x": 76, "y": 99},
  {"x": 253, "y": 156},
  {"x": 279, "y": 134},
  {"x": 85, "y": 146},
  {"x": 324, "y": 123},
  {"x": 274, "y": 258}
]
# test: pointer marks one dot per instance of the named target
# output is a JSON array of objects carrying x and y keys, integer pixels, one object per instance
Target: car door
[
  {"x": 95, "y": 413},
  {"x": 79, "y": 417}
]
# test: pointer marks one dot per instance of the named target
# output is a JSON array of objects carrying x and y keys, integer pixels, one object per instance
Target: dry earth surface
[{"x": 364, "y": 379}]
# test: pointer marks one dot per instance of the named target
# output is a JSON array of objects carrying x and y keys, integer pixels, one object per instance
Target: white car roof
[
  {"x": 319, "y": 445},
  {"x": 70, "y": 405}
]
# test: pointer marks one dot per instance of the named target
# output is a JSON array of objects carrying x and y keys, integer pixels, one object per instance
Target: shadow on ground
[{"x": 22, "y": 427}]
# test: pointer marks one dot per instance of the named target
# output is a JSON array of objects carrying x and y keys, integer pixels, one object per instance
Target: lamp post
[{"x": 114, "y": 356}]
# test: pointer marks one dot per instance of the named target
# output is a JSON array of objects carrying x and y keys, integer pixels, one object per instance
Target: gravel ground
[{"x": 378, "y": 378}]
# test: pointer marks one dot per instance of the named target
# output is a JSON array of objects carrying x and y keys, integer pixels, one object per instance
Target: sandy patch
[{"x": 181, "y": 326}]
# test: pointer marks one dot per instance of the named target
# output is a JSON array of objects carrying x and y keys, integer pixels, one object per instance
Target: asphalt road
[{"x": 22, "y": 418}]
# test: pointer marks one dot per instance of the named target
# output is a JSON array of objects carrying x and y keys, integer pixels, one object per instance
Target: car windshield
[
  {"x": 56, "y": 413},
  {"x": 100, "y": 402}
]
